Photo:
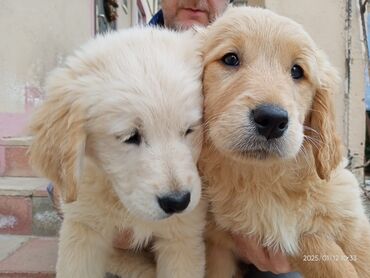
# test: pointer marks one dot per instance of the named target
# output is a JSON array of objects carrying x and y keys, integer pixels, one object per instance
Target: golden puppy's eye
[
  {"x": 231, "y": 59},
  {"x": 133, "y": 138},
  {"x": 297, "y": 72}
]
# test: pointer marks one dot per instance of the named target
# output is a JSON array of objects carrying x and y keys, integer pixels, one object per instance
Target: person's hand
[
  {"x": 263, "y": 258},
  {"x": 123, "y": 240}
]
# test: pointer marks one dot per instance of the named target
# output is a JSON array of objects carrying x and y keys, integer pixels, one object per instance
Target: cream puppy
[{"x": 120, "y": 134}]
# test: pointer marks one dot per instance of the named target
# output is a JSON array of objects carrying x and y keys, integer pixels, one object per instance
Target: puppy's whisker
[
  {"x": 310, "y": 129},
  {"x": 313, "y": 141},
  {"x": 305, "y": 156}
]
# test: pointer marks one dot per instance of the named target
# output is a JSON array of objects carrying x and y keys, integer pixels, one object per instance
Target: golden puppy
[
  {"x": 272, "y": 156},
  {"x": 119, "y": 134}
]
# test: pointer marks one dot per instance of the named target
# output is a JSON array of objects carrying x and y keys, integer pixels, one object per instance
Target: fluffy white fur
[{"x": 141, "y": 79}]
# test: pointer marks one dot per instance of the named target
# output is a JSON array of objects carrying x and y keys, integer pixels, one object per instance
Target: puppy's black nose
[
  {"x": 271, "y": 121},
  {"x": 174, "y": 202}
]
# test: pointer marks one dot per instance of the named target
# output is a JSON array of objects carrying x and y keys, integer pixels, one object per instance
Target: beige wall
[{"x": 36, "y": 35}]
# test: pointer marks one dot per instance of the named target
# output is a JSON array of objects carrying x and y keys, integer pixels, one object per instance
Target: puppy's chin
[
  {"x": 259, "y": 155},
  {"x": 256, "y": 156},
  {"x": 155, "y": 216},
  {"x": 261, "y": 152}
]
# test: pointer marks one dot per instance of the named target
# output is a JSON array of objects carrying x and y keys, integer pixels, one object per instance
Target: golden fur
[
  {"x": 294, "y": 195},
  {"x": 142, "y": 81}
]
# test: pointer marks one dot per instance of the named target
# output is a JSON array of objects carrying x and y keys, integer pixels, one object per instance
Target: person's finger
[{"x": 279, "y": 262}]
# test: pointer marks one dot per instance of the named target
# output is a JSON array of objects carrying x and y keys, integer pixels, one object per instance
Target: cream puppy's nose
[{"x": 174, "y": 202}]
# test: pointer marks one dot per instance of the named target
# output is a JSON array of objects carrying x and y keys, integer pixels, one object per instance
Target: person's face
[{"x": 182, "y": 14}]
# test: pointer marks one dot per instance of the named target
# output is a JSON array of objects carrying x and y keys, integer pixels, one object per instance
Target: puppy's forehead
[
  {"x": 141, "y": 71},
  {"x": 253, "y": 30}
]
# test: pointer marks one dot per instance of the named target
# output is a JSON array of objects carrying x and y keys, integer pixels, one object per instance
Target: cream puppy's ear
[
  {"x": 58, "y": 133},
  {"x": 327, "y": 146}
]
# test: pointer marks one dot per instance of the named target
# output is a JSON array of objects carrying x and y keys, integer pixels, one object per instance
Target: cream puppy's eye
[
  {"x": 190, "y": 130},
  {"x": 231, "y": 59},
  {"x": 297, "y": 72},
  {"x": 133, "y": 138}
]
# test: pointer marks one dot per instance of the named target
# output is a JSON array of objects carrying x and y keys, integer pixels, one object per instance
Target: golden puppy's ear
[
  {"x": 326, "y": 144},
  {"x": 58, "y": 136}
]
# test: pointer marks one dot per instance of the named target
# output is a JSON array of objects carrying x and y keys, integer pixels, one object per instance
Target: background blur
[{"x": 37, "y": 35}]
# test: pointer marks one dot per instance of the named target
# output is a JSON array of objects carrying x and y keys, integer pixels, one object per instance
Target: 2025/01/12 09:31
[{"x": 325, "y": 258}]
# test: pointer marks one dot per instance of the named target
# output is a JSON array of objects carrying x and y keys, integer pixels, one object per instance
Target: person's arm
[{"x": 264, "y": 259}]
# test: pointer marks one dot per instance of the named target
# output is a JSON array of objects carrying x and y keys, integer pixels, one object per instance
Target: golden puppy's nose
[
  {"x": 271, "y": 121},
  {"x": 174, "y": 202}
]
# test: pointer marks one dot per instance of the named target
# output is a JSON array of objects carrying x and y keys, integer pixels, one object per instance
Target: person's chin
[
  {"x": 189, "y": 23},
  {"x": 186, "y": 21}
]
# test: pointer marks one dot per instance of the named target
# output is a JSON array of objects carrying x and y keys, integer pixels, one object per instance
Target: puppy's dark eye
[
  {"x": 134, "y": 138},
  {"x": 190, "y": 130},
  {"x": 231, "y": 59},
  {"x": 297, "y": 72}
]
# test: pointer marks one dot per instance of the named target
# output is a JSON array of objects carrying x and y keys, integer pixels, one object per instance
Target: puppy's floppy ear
[
  {"x": 326, "y": 146},
  {"x": 58, "y": 135}
]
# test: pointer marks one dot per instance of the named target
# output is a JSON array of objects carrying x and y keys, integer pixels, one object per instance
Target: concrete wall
[{"x": 36, "y": 36}]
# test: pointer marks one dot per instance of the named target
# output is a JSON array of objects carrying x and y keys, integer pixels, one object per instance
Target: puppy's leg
[
  {"x": 82, "y": 252},
  {"x": 356, "y": 246},
  {"x": 320, "y": 257},
  {"x": 180, "y": 257},
  {"x": 129, "y": 264},
  {"x": 221, "y": 262}
]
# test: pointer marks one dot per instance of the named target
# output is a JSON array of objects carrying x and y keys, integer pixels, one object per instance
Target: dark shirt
[{"x": 157, "y": 19}]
